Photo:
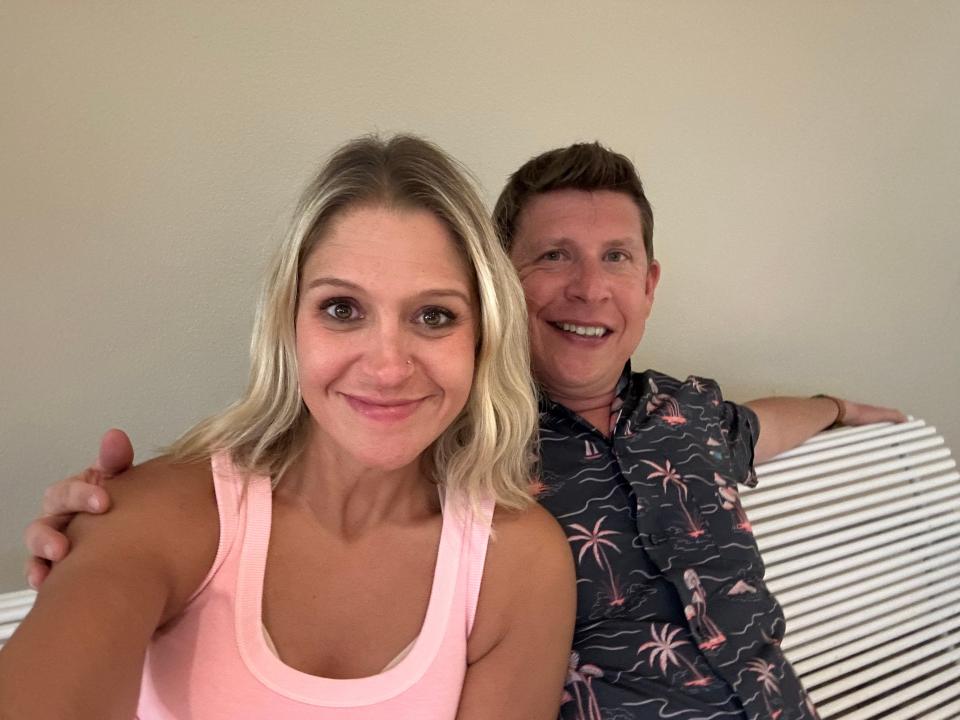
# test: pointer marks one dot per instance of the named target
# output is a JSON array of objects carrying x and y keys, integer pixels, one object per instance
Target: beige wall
[{"x": 803, "y": 161}]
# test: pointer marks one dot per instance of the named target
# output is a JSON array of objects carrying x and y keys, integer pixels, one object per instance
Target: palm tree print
[
  {"x": 672, "y": 477},
  {"x": 663, "y": 649},
  {"x": 768, "y": 683},
  {"x": 597, "y": 541},
  {"x": 578, "y": 675}
]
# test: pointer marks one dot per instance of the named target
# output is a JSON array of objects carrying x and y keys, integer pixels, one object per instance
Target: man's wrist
[{"x": 841, "y": 408}]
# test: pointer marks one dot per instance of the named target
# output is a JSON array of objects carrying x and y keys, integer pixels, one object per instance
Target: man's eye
[
  {"x": 436, "y": 317},
  {"x": 617, "y": 256},
  {"x": 340, "y": 310}
]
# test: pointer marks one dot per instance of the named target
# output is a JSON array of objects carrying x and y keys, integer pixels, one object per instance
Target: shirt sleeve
[{"x": 742, "y": 429}]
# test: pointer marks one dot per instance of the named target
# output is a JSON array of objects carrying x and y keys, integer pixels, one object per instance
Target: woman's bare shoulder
[
  {"x": 523, "y": 534},
  {"x": 162, "y": 512},
  {"x": 162, "y": 478},
  {"x": 528, "y": 566},
  {"x": 128, "y": 571}
]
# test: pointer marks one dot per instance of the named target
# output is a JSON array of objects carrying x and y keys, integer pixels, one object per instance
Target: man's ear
[{"x": 653, "y": 278}]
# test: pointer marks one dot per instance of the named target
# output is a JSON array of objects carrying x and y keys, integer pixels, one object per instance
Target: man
[{"x": 640, "y": 469}]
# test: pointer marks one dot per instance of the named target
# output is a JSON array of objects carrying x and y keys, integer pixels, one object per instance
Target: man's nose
[{"x": 588, "y": 282}]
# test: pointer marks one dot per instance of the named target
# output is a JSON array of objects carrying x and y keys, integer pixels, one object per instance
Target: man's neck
[{"x": 595, "y": 409}]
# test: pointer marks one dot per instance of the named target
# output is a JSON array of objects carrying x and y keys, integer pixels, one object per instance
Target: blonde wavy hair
[{"x": 487, "y": 450}]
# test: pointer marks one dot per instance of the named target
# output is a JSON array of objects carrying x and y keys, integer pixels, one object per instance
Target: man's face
[{"x": 589, "y": 287}]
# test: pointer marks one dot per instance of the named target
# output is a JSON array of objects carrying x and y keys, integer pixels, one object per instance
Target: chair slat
[
  {"x": 860, "y": 532},
  {"x": 836, "y": 487}
]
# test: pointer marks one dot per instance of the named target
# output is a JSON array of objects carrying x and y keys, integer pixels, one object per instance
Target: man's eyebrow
[
  {"x": 564, "y": 241},
  {"x": 621, "y": 241}
]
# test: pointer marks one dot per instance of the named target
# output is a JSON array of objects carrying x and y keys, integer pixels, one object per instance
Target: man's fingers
[
  {"x": 889, "y": 415},
  {"x": 36, "y": 572},
  {"x": 76, "y": 494},
  {"x": 862, "y": 414},
  {"x": 116, "y": 453},
  {"x": 44, "y": 537}
]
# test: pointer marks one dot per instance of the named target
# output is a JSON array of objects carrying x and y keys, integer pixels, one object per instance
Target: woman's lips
[{"x": 383, "y": 410}]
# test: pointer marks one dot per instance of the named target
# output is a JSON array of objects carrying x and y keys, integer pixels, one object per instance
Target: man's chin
[{"x": 589, "y": 382}]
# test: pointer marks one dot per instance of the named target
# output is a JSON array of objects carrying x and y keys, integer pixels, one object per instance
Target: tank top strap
[
  {"x": 476, "y": 539},
  {"x": 229, "y": 487}
]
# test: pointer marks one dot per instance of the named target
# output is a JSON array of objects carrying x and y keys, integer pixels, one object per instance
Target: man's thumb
[{"x": 116, "y": 453}]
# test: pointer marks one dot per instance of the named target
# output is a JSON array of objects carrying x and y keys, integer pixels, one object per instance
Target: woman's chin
[{"x": 387, "y": 461}]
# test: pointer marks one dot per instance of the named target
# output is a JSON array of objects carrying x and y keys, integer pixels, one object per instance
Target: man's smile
[{"x": 583, "y": 330}]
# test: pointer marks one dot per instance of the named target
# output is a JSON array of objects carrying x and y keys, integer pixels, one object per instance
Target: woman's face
[{"x": 385, "y": 336}]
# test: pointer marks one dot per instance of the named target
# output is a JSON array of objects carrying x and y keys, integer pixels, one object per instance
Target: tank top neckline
[{"x": 255, "y": 523}]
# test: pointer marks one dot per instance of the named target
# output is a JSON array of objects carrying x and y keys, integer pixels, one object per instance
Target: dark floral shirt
[{"x": 673, "y": 617}]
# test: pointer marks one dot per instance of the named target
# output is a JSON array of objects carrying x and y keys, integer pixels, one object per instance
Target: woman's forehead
[{"x": 381, "y": 245}]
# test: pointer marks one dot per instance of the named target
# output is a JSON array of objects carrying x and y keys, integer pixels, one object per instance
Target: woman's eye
[
  {"x": 551, "y": 255},
  {"x": 340, "y": 310},
  {"x": 436, "y": 317}
]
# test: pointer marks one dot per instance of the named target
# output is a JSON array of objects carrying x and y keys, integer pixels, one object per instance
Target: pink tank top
[{"x": 213, "y": 661}]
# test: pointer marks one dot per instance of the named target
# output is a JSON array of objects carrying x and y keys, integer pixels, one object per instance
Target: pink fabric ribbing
[{"x": 213, "y": 662}]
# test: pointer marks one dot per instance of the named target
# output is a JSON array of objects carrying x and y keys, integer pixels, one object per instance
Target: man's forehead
[{"x": 602, "y": 215}]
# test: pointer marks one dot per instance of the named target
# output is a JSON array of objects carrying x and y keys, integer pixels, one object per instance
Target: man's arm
[
  {"x": 45, "y": 538},
  {"x": 785, "y": 422}
]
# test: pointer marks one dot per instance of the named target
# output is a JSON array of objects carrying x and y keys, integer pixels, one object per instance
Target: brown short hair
[{"x": 582, "y": 166}]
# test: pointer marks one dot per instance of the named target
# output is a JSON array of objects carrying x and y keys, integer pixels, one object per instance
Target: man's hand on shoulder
[{"x": 84, "y": 492}]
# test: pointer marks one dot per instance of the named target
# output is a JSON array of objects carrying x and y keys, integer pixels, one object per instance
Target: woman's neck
[{"x": 350, "y": 499}]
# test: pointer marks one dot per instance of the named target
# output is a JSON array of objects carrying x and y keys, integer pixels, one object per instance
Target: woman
[{"x": 316, "y": 550}]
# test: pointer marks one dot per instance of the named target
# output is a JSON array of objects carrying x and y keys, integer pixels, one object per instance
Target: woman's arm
[
  {"x": 520, "y": 644},
  {"x": 80, "y": 651}
]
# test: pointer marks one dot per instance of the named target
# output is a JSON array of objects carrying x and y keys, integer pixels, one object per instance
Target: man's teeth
[{"x": 587, "y": 330}]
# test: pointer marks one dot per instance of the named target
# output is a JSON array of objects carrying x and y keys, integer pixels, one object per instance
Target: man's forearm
[{"x": 785, "y": 422}]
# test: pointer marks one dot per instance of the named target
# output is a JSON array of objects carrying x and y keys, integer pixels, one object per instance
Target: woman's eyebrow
[
  {"x": 445, "y": 292},
  {"x": 429, "y": 293},
  {"x": 336, "y": 282}
]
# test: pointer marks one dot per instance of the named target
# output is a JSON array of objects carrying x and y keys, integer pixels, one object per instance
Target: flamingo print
[
  {"x": 696, "y": 612},
  {"x": 730, "y": 500}
]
